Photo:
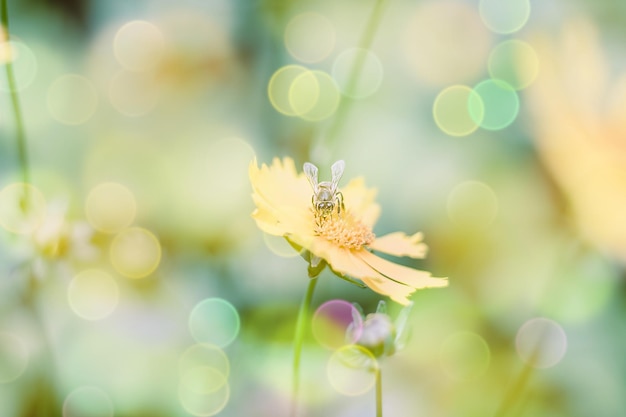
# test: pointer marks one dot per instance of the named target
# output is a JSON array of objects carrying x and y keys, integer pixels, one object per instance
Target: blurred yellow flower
[
  {"x": 345, "y": 241},
  {"x": 579, "y": 122}
]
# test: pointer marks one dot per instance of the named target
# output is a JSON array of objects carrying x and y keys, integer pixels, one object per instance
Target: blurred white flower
[{"x": 57, "y": 240}]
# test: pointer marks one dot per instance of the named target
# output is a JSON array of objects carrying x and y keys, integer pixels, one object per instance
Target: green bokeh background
[{"x": 188, "y": 126}]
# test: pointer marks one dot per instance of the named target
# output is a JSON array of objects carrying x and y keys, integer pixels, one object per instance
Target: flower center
[{"x": 344, "y": 230}]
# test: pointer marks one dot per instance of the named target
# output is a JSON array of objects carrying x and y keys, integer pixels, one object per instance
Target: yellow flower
[
  {"x": 578, "y": 110},
  {"x": 345, "y": 241}
]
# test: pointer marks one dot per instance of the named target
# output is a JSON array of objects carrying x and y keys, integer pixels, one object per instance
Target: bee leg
[{"x": 340, "y": 206}]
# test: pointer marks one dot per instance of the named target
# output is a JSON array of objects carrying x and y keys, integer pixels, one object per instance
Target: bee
[{"x": 326, "y": 196}]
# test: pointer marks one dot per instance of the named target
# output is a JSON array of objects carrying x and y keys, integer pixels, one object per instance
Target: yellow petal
[
  {"x": 280, "y": 185},
  {"x": 400, "y": 273},
  {"x": 348, "y": 262},
  {"x": 340, "y": 259},
  {"x": 268, "y": 224},
  {"x": 397, "y": 292},
  {"x": 282, "y": 198},
  {"x": 359, "y": 200},
  {"x": 291, "y": 219},
  {"x": 399, "y": 244}
]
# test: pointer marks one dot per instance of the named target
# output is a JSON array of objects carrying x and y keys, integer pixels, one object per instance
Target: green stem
[
  {"x": 46, "y": 403},
  {"x": 520, "y": 384},
  {"x": 355, "y": 71},
  {"x": 301, "y": 328},
  {"x": 20, "y": 135},
  {"x": 379, "y": 393},
  {"x": 516, "y": 391}
]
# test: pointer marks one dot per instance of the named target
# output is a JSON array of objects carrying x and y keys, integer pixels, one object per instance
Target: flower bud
[{"x": 378, "y": 334}]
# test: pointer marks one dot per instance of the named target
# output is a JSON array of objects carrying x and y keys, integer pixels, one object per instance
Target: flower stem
[
  {"x": 20, "y": 135},
  {"x": 46, "y": 402},
  {"x": 357, "y": 66},
  {"x": 301, "y": 327},
  {"x": 514, "y": 394},
  {"x": 379, "y": 393}
]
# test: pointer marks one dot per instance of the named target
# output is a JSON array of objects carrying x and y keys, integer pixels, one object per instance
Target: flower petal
[
  {"x": 359, "y": 200},
  {"x": 400, "y": 273},
  {"x": 397, "y": 292},
  {"x": 399, "y": 244},
  {"x": 341, "y": 260},
  {"x": 282, "y": 220},
  {"x": 280, "y": 185},
  {"x": 348, "y": 262},
  {"x": 282, "y": 198},
  {"x": 268, "y": 224}
]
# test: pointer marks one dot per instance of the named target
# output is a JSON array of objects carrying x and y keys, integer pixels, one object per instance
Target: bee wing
[
  {"x": 310, "y": 171},
  {"x": 337, "y": 172}
]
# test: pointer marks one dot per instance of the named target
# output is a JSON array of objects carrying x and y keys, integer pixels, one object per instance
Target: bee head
[{"x": 325, "y": 206}]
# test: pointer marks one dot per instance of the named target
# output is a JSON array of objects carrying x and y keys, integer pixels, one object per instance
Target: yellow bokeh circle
[
  {"x": 446, "y": 42},
  {"x": 93, "y": 294},
  {"x": 304, "y": 93},
  {"x": 314, "y": 95},
  {"x": 370, "y": 74},
  {"x": 278, "y": 88},
  {"x": 204, "y": 355},
  {"x": 135, "y": 252},
  {"x": 451, "y": 110},
  {"x": 24, "y": 63},
  {"x": 504, "y": 16},
  {"x": 139, "y": 45},
  {"x": 514, "y": 62},
  {"x": 294, "y": 90},
  {"x": 110, "y": 207},
  {"x": 473, "y": 204},
  {"x": 351, "y": 370},
  {"x": 72, "y": 99},
  {"x": 309, "y": 37},
  {"x": 203, "y": 388},
  {"x": 195, "y": 399}
]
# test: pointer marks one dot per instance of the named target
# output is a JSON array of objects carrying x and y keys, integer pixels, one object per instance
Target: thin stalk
[
  {"x": 20, "y": 133},
  {"x": 516, "y": 391},
  {"x": 355, "y": 71},
  {"x": 46, "y": 403},
  {"x": 301, "y": 328},
  {"x": 379, "y": 393}
]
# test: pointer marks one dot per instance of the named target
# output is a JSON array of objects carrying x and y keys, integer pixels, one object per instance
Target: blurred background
[{"x": 135, "y": 282}]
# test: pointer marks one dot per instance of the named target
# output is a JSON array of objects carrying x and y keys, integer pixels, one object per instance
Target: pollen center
[{"x": 344, "y": 230}]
